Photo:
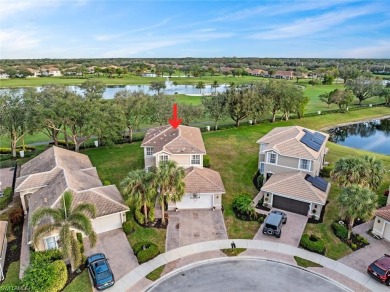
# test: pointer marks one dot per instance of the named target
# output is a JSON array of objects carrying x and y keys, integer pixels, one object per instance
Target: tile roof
[
  {"x": 384, "y": 212},
  {"x": 294, "y": 185},
  {"x": 182, "y": 140},
  {"x": 203, "y": 180},
  {"x": 286, "y": 141}
]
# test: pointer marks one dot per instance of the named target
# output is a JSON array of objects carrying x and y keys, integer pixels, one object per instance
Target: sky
[{"x": 194, "y": 28}]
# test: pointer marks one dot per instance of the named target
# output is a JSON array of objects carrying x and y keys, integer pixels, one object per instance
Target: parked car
[
  {"x": 380, "y": 269},
  {"x": 100, "y": 271},
  {"x": 284, "y": 215},
  {"x": 273, "y": 224}
]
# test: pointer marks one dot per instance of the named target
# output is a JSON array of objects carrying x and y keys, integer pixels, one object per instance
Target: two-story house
[
  {"x": 290, "y": 160},
  {"x": 184, "y": 145}
]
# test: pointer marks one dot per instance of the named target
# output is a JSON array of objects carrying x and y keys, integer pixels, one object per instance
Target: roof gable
[
  {"x": 203, "y": 180},
  {"x": 384, "y": 212}
]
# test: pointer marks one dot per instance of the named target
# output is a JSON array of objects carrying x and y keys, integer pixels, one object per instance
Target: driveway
[
  {"x": 362, "y": 258},
  {"x": 191, "y": 226},
  {"x": 291, "y": 231},
  {"x": 117, "y": 249},
  {"x": 6, "y": 177}
]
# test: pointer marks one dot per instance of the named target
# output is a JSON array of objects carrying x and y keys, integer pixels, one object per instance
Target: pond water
[
  {"x": 372, "y": 136},
  {"x": 172, "y": 89}
]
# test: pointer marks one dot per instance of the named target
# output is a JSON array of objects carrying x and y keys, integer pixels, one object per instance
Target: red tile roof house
[
  {"x": 290, "y": 159},
  {"x": 382, "y": 221},
  {"x": 44, "y": 179},
  {"x": 284, "y": 75},
  {"x": 184, "y": 145}
]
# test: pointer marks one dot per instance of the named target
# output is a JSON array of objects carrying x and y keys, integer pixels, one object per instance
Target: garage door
[
  {"x": 386, "y": 233},
  {"x": 202, "y": 201},
  {"x": 290, "y": 205},
  {"x": 107, "y": 223}
]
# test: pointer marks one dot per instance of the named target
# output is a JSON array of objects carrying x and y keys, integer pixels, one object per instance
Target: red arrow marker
[{"x": 174, "y": 121}]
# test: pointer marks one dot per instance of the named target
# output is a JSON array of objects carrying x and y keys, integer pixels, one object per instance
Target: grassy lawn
[
  {"x": 80, "y": 284},
  {"x": 232, "y": 252},
  {"x": 154, "y": 275},
  {"x": 12, "y": 276},
  {"x": 305, "y": 263}
]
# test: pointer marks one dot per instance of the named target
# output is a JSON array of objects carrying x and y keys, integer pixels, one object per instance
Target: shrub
[
  {"x": 340, "y": 231},
  {"x": 60, "y": 274},
  {"x": 128, "y": 227},
  {"x": 258, "y": 179},
  {"x": 6, "y": 198},
  {"x": 360, "y": 241},
  {"x": 206, "y": 161},
  {"x": 325, "y": 171},
  {"x": 5, "y": 150},
  {"x": 147, "y": 254},
  {"x": 46, "y": 256},
  {"x": 243, "y": 208},
  {"x": 353, "y": 246},
  {"x": 106, "y": 183},
  {"x": 16, "y": 215},
  {"x": 312, "y": 243},
  {"x": 139, "y": 246}
]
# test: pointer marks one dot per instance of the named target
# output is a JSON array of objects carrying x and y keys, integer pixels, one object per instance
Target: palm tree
[
  {"x": 357, "y": 202},
  {"x": 375, "y": 171},
  {"x": 65, "y": 220},
  {"x": 200, "y": 85},
  {"x": 138, "y": 188},
  {"x": 348, "y": 171},
  {"x": 169, "y": 179},
  {"x": 215, "y": 85}
]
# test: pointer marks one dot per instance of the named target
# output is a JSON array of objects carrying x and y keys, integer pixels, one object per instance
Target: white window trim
[
  {"x": 309, "y": 165},
  {"x": 56, "y": 238},
  {"x": 262, "y": 147},
  {"x": 152, "y": 148},
  {"x": 269, "y": 156},
  {"x": 192, "y": 158},
  {"x": 161, "y": 155},
  {"x": 262, "y": 164}
]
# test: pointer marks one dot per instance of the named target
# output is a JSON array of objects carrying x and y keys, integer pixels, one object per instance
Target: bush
[
  {"x": 106, "y": 183},
  {"x": 16, "y": 215},
  {"x": 46, "y": 256},
  {"x": 325, "y": 171},
  {"x": 60, "y": 274},
  {"x": 128, "y": 227},
  {"x": 5, "y": 150},
  {"x": 258, "y": 179},
  {"x": 206, "y": 161},
  {"x": 139, "y": 246},
  {"x": 6, "y": 198},
  {"x": 243, "y": 208},
  {"x": 340, "y": 231},
  {"x": 147, "y": 254},
  {"x": 313, "y": 243}
]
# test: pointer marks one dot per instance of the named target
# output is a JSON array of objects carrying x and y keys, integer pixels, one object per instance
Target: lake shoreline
[{"x": 354, "y": 122}]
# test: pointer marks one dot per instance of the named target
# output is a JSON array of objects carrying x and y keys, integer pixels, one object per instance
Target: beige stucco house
[
  {"x": 382, "y": 221},
  {"x": 44, "y": 179},
  {"x": 3, "y": 247},
  {"x": 290, "y": 160},
  {"x": 184, "y": 145}
]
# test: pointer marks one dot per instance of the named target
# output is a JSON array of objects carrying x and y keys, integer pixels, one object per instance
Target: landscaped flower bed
[
  {"x": 355, "y": 242},
  {"x": 312, "y": 243}
]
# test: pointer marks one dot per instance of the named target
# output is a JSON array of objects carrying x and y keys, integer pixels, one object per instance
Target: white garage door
[
  {"x": 203, "y": 201},
  {"x": 107, "y": 223},
  {"x": 386, "y": 233}
]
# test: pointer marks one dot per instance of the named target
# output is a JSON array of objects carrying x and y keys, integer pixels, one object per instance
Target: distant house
[
  {"x": 382, "y": 221},
  {"x": 3, "y": 75},
  {"x": 184, "y": 145},
  {"x": 50, "y": 71},
  {"x": 256, "y": 72},
  {"x": 290, "y": 160},
  {"x": 149, "y": 75},
  {"x": 3, "y": 246},
  {"x": 284, "y": 75},
  {"x": 44, "y": 179}
]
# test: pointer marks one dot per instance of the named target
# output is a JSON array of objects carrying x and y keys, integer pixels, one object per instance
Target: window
[
  {"x": 149, "y": 151},
  {"x": 164, "y": 158},
  {"x": 272, "y": 158},
  {"x": 262, "y": 147},
  {"x": 51, "y": 242},
  {"x": 304, "y": 164},
  {"x": 262, "y": 167},
  {"x": 195, "y": 159}
]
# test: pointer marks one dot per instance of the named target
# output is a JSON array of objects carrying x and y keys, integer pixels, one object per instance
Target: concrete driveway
[
  {"x": 362, "y": 258},
  {"x": 291, "y": 231},
  {"x": 117, "y": 249},
  {"x": 191, "y": 226}
]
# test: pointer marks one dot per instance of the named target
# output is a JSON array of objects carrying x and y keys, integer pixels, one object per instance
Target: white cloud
[
  {"x": 16, "y": 41},
  {"x": 380, "y": 49},
  {"x": 9, "y": 8}
]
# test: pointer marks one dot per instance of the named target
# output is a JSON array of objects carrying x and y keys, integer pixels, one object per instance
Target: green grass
[
  {"x": 12, "y": 276},
  {"x": 232, "y": 252},
  {"x": 80, "y": 284},
  {"x": 305, "y": 263},
  {"x": 156, "y": 274}
]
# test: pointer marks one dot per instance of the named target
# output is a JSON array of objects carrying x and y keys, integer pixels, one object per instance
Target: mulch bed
[
  {"x": 73, "y": 275},
  {"x": 14, "y": 246},
  {"x": 156, "y": 224},
  {"x": 261, "y": 207}
]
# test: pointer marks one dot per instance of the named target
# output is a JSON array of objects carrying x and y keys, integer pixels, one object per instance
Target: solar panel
[
  {"x": 318, "y": 182},
  {"x": 313, "y": 141}
]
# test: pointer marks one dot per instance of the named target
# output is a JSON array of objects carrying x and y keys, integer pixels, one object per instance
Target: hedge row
[
  {"x": 145, "y": 251},
  {"x": 313, "y": 243},
  {"x": 6, "y": 198},
  {"x": 5, "y": 150},
  {"x": 340, "y": 231}
]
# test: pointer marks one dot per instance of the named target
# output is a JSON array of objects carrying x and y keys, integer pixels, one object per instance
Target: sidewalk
[{"x": 136, "y": 275}]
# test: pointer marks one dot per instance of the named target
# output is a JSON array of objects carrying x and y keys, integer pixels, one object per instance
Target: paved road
[{"x": 245, "y": 275}]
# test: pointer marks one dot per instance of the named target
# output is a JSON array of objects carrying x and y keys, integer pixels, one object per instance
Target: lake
[
  {"x": 372, "y": 136},
  {"x": 171, "y": 89}
]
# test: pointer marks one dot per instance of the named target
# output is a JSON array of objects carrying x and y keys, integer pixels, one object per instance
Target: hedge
[
  {"x": 312, "y": 243},
  {"x": 60, "y": 273},
  {"x": 6, "y": 198},
  {"x": 128, "y": 227},
  {"x": 144, "y": 255},
  {"x": 5, "y": 150},
  {"x": 206, "y": 161},
  {"x": 340, "y": 231}
]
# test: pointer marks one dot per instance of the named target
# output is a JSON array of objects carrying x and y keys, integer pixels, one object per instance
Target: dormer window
[
  {"x": 195, "y": 159},
  {"x": 149, "y": 151},
  {"x": 304, "y": 164},
  {"x": 163, "y": 158},
  {"x": 272, "y": 158}
]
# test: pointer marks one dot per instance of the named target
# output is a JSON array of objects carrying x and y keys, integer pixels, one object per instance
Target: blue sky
[{"x": 100, "y": 29}]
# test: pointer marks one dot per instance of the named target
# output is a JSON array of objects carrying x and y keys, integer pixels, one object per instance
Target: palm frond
[
  {"x": 67, "y": 201},
  {"x": 42, "y": 230},
  {"x": 81, "y": 222},
  {"x": 85, "y": 208},
  {"x": 75, "y": 253},
  {"x": 65, "y": 240},
  {"x": 45, "y": 212},
  {"x": 92, "y": 239}
]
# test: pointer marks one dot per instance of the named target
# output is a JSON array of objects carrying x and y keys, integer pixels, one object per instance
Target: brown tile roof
[
  {"x": 384, "y": 212},
  {"x": 284, "y": 73},
  {"x": 203, "y": 180},
  {"x": 294, "y": 185},
  {"x": 286, "y": 141},
  {"x": 3, "y": 234},
  {"x": 182, "y": 140}
]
